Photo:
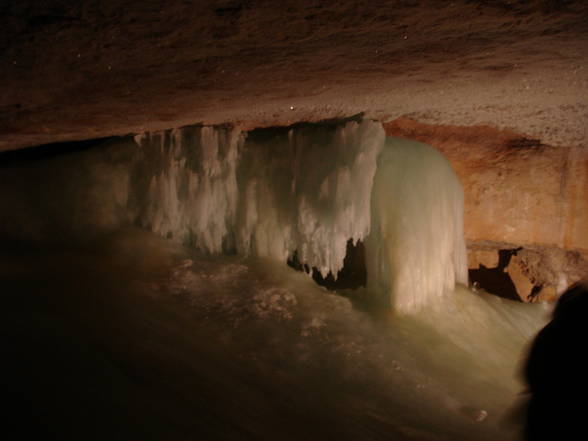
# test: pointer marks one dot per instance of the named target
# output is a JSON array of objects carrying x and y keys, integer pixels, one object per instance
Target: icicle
[
  {"x": 277, "y": 192},
  {"x": 307, "y": 190},
  {"x": 192, "y": 192}
]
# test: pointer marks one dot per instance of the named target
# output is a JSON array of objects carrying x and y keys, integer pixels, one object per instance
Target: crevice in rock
[
  {"x": 496, "y": 280},
  {"x": 48, "y": 151},
  {"x": 532, "y": 273},
  {"x": 524, "y": 143}
]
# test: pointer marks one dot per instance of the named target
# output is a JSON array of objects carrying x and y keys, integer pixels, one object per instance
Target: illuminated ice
[
  {"x": 269, "y": 194},
  {"x": 309, "y": 190},
  {"x": 416, "y": 250}
]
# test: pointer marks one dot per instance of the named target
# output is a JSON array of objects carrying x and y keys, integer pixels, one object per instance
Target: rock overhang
[{"x": 91, "y": 69}]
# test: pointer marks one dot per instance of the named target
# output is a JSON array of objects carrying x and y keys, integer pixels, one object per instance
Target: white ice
[
  {"x": 266, "y": 194},
  {"x": 416, "y": 251}
]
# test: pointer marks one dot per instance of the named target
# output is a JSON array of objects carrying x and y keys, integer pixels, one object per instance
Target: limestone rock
[
  {"x": 480, "y": 256},
  {"x": 517, "y": 190},
  {"x": 547, "y": 294},
  {"x": 85, "y": 69},
  {"x": 534, "y": 274},
  {"x": 519, "y": 274}
]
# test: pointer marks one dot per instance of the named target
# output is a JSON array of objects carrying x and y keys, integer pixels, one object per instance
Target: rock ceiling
[{"x": 101, "y": 68}]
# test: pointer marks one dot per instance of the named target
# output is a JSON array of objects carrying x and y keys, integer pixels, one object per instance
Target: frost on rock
[{"x": 274, "y": 302}]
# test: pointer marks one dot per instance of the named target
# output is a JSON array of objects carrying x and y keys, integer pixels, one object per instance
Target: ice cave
[{"x": 240, "y": 220}]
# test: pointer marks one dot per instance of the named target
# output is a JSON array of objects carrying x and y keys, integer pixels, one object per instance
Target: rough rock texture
[
  {"x": 518, "y": 193},
  {"x": 541, "y": 273},
  {"x": 517, "y": 190},
  {"x": 522, "y": 281},
  {"x": 86, "y": 69},
  {"x": 488, "y": 257}
]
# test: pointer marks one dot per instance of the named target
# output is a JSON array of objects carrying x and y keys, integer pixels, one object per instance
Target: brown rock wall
[
  {"x": 575, "y": 220},
  {"x": 517, "y": 190}
]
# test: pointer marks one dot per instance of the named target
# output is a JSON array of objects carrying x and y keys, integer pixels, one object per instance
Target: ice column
[{"x": 416, "y": 249}]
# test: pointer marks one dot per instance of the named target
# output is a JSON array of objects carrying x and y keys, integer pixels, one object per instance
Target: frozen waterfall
[{"x": 309, "y": 190}]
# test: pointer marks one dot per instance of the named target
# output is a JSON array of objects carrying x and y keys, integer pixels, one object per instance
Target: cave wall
[{"x": 521, "y": 196}]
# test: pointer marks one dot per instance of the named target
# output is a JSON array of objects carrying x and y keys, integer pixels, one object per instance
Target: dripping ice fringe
[{"x": 268, "y": 194}]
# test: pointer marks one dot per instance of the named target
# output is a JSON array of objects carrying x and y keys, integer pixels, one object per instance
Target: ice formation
[
  {"x": 186, "y": 185},
  {"x": 266, "y": 193},
  {"x": 269, "y": 194},
  {"x": 416, "y": 250},
  {"x": 166, "y": 343},
  {"x": 443, "y": 370},
  {"x": 310, "y": 190}
]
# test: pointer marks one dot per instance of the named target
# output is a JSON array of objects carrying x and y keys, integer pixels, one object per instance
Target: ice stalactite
[
  {"x": 269, "y": 194},
  {"x": 441, "y": 369},
  {"x": 185, "y": 185},
  {"x": 308, "y": 190}
]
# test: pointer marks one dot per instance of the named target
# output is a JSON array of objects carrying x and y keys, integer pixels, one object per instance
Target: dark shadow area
[
  {"x": 48, "y": 151},
  {"x": 268, "y": 133},
  {"x": 524, "y": 143},
  {"x": 556, "y": 372},
  {"x": 534, "y": 293},
  {"x": 87, "y": 357},
  {"x": 496, "y": 280},
  {"x": 353, "y": 275}
]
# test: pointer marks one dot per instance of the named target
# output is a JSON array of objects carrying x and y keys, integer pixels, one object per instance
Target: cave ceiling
[{"x": 88, "y": 69}]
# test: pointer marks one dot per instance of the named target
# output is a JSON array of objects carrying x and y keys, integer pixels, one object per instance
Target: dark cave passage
[
  {"x": 353, "y": 275},
  {"x": 496, "y": 280}
]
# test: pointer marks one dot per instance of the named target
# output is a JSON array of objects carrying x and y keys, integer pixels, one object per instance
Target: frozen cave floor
[{"x": 133, "y": 337}]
